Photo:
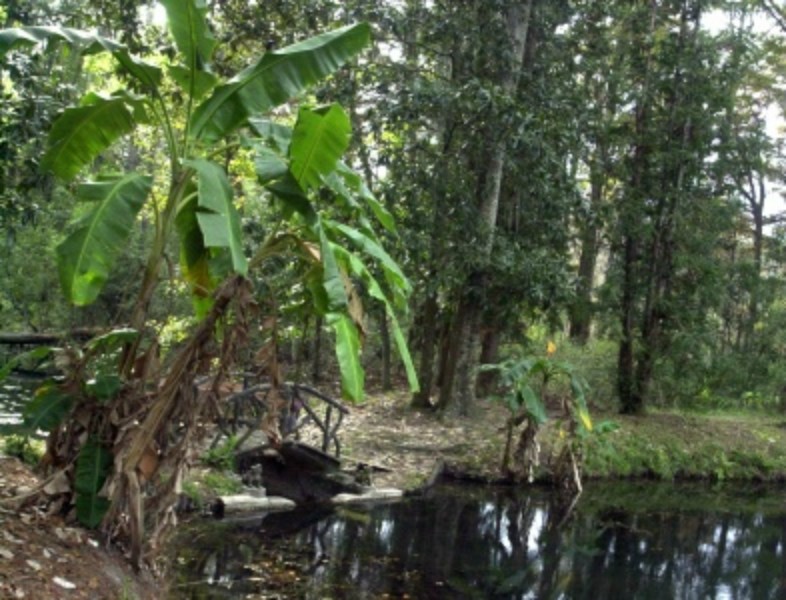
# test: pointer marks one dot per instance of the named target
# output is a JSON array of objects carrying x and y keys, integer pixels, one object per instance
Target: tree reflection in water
[{"x": 627, "y": 542}]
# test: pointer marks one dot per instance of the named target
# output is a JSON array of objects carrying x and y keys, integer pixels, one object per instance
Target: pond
[
  {"x": 15, "y": 391},
  {"x": 622, "y": 540}
]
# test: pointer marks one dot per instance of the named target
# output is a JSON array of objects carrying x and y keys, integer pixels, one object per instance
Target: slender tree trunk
[
  {"x": 630, "y": 401},
  {"x": 755, "y": 194},
  {"x": 674, "y": 185},
  {"x": 581, "y": 311},
  {"x": 428, "y": 345},
  {"x": 316, "y": 365},
  {"x": 458, "y": 390},
  {"x": 489, "y": 352}
]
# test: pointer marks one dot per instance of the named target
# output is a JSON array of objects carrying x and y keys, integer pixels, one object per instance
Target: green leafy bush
[
  {"x": 24, "y": 448},
  {"x": 222, "y": 456}
]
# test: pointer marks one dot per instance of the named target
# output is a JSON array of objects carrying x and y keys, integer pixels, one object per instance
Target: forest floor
[{"x": 43, "y": 557}]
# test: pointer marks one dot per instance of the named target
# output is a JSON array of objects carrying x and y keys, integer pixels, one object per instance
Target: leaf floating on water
[{"x": 64, "y": 583}]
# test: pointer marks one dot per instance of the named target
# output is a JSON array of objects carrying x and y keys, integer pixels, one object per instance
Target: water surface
[{"x": 621, "y": 541}]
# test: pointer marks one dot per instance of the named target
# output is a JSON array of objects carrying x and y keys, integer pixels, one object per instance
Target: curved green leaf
[
  {"x": 577, "y": 386},
  {"x": 92, "y": 467},
  {"x": 194, "y": 256},
  {"x": 319, "y": 140},
  {"x": 47, "y": 409},
  {"x": 348, "y": 354},
  {"x": 86, "y": 257},
  {"x": 192, "y": 36},
  {"x": 84, "y": 43},
  {"x": 269, "y": 165},
  {"x": 25, "y": 37},
  {"x": 90, "y": 509},
  {"x": 357, "y": 268},
  {"x": 202, "y": 82},
  {"x": 373, "y": 249},
  {"x": 80, "y": 134},
  {"x": 36, "y": 354},
  {"x": 112, "y": 340},
  {"x": 278, "y": 134},
  {"x": 403, "y": 352},
  {"x": 187, "y": 24},
  {"x": 218, "y": 218},
  {"x": 355, "y": 183},
  {"x": 331, "y": 277},
  {"x": 274, "y": 79},
  {"x": 532, "y": 404}
]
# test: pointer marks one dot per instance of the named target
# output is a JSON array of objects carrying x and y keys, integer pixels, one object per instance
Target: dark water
[
  {"x": 15, "y": 391},
  {"x": 621, "y": 541}
]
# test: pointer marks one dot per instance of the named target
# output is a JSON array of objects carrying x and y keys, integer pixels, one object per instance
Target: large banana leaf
[
  {"x": 372, "y": 248},
  {"x": 274, "y": 79},
  {"x": 92, "y": 468},
  {"x": 357, "y": 268},
  {"x": 187, "y": 24},
  {"x": 331, "y": 279},
  {"x": 319, "y": 140},
  {"x": 47, "y": 409},
  {"x": 218, "y": 218},
  {"x": 197, "y": 83},
  {"x": 85, "y": 257},
  {"x": 269, "y": 164},
  {"x": 277, "y": 134},
  {"x": 80, "y": 134},
  {"x": 533, "y": 405},
  {"x": 348, "y": 354},
  {"x": 194, "y": 255},
  {"x": 83, "y": 42},
  {"x": 288, "y": 193}
]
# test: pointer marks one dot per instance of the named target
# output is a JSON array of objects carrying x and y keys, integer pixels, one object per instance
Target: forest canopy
[{"x": 608, "y": 175}]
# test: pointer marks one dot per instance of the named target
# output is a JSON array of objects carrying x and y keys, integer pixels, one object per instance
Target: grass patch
[{"x": 671, "y": 445}]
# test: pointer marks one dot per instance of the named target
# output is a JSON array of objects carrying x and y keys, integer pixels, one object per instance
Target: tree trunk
[
  {"x": 489, "y": 352},
  {"x": 316, "y": 365},
  {"x": 581, "y": 311},
  {"x": 657, "y": 261},
  {"x": 428, "y": 344},
  {"x": 458, "y": 389},
  {"x": 630, "y": 400}
]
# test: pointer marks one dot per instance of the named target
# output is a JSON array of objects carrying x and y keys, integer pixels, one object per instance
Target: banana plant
[
  {"x": 200, "y": 203},
  {"x": 299, "y": 165},
  {"x": 524, "y": 381}
]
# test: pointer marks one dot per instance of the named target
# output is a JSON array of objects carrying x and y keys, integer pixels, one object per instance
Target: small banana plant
[{"x": 524, "y": 382}]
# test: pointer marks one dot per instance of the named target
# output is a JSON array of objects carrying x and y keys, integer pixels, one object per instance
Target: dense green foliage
[
  {"x": 631, "y": 157},
  {"x": 197, "y": 118}
]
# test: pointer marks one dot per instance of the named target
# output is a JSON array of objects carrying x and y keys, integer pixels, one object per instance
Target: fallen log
[
  {"x": 33, "y": 338},
  {"x": 247, "y": 503}
]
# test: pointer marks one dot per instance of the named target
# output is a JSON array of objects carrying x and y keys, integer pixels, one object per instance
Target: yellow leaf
[
  {"x": 585, "y": 419},
  {"x": 551, "y": 348}
]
